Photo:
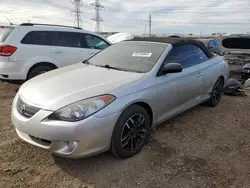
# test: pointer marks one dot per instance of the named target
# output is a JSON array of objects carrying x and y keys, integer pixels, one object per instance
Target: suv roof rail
[{"x": 32, "y": 24}]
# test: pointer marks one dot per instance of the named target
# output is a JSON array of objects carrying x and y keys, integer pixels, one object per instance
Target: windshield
[
  {"x": 4, "y": 33},
  {"x": 129, "y": 56}
]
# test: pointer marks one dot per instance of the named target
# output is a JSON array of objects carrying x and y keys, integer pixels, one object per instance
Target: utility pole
[
  {"x": 149, "y": 24},
  {"x": 77, "y": 11},
  {"x": 98, "y": 8}
]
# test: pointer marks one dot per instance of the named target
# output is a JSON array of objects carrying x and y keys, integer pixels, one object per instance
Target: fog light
[{"x": 72, "y": 145}]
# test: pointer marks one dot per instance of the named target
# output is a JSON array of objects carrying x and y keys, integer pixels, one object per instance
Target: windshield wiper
[
  {"x": 110, "y": 67},
  {"x": 86, "y": 62}
]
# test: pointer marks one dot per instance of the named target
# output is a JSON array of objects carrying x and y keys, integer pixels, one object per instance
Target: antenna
[
  {"x": 98, "y": 8},
  {"x": 77, "y": 10},
  {"x": 8, "y": 20}
]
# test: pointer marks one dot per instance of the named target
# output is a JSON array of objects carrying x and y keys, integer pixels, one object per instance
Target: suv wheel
[{"x": 39, "y": 70}]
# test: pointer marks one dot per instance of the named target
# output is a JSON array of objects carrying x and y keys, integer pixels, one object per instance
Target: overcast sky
[{"x": 168, "y": 16}]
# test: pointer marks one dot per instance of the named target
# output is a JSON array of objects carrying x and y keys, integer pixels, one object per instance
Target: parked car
[
  {"x": 235, "y": 45},
  {"x": 113, "y": 99},
  {"x": 27, "y": 50},
  {"x": 212, "y": 45},
  {"x": 118, "y": 37},
  {"x": 175, "y": 36},
  {"x": 245, "y": 71}
]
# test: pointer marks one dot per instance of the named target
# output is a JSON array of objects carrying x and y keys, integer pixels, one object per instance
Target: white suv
[{"x": 28, "y": 49}]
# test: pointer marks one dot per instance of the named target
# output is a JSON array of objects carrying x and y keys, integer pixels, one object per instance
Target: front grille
[
  {"x": 25, "y": 109},
  {"x": 40, "y": 141}
]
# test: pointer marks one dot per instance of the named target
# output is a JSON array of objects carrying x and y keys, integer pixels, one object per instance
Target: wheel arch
[
  {"x": 222, "y": 78},
  {"x": 144, "y": 105},
  {"x": 52, "y": 65}
]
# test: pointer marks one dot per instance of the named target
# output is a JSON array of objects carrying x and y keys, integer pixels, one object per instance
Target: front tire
[
  {"x": 131, "y": 132},
  {"x": 39, "y": 70},
  {"x": 216, "y": 94}
]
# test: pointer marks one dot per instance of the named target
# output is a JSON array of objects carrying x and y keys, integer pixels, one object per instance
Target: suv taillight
[{"x": 7, "y": 50}]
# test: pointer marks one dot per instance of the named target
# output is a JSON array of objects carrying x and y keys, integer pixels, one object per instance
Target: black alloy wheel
[
  {"x": 217, "y": 93},
  {"x": 131, "y": 132}
]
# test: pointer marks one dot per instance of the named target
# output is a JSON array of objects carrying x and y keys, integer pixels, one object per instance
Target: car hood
[{"x": 61, "y": 87}]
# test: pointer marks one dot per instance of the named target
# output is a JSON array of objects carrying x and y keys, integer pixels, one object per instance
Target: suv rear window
[
  {"x": 5, "y": 32},
  {"x": 37, "y": 38},
  {"x": 66, "y": 39},
  {"x": 236, "y": 43}
]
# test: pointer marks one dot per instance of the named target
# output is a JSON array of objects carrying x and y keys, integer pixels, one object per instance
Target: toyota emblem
[{"x": 23, "y": 108}]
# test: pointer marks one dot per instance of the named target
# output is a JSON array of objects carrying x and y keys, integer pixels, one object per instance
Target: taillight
[
  {"x": 5, "y": 75},
  {"x": 7, "y": 50}
]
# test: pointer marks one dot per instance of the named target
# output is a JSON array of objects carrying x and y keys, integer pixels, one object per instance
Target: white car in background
[
  {"x": 235, "y": 45},
  {"x": 28, "y": 49},
  {"x": 118, "y": 37}
]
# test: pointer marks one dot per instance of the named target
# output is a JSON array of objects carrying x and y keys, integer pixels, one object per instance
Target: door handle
[
  {"x": 58, "y": 52},
  {"x": 199, "y": 74}
]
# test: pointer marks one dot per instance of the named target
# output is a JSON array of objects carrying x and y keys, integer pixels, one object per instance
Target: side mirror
[{"x": 172, "y": 68}]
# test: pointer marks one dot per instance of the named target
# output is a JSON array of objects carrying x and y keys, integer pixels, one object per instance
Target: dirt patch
[{"x": 204, "y": 147}]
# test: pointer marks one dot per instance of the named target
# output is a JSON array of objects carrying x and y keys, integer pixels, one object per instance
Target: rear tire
[
  {"x": 131, "y": 132},
  {"x": 216, "y": 94},
  {"x": 39, "y": 70}
]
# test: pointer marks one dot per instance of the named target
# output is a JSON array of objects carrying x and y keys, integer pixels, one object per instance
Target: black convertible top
[{"x": 175, "y": 42}]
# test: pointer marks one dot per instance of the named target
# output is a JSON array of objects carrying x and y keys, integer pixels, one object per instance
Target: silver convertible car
[{"x": 112, "y": 100}]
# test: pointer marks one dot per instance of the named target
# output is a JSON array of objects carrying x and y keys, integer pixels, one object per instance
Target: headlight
[{"x": 82, "y": 109}]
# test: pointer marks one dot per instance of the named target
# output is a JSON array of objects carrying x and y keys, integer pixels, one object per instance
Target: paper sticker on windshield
[{"x": 141, "y": 54}]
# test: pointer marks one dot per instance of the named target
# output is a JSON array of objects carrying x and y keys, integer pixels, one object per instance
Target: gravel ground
[{"x": 204, "y": 147}]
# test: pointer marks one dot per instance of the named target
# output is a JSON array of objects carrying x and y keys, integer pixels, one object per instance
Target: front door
[
  {"x": 180, "y": 91},
  {"x": 177, "y": 91}
]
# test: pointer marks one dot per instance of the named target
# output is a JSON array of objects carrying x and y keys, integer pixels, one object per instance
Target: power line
[
  {"x": 98, "y": 8},
  {"x": 77, "y": 10},
  {"x": 136, "y": 21},
  {"x": 204, "y": 11},
  {"x": 202, "y": 2}
]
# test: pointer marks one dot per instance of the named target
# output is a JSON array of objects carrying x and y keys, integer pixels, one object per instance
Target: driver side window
[
  {"x": 186, "y": 55},
  {"x": 94, "y": 42}
]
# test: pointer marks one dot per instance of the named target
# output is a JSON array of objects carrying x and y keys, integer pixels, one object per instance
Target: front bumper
[{"x": 93, "y": 134}]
